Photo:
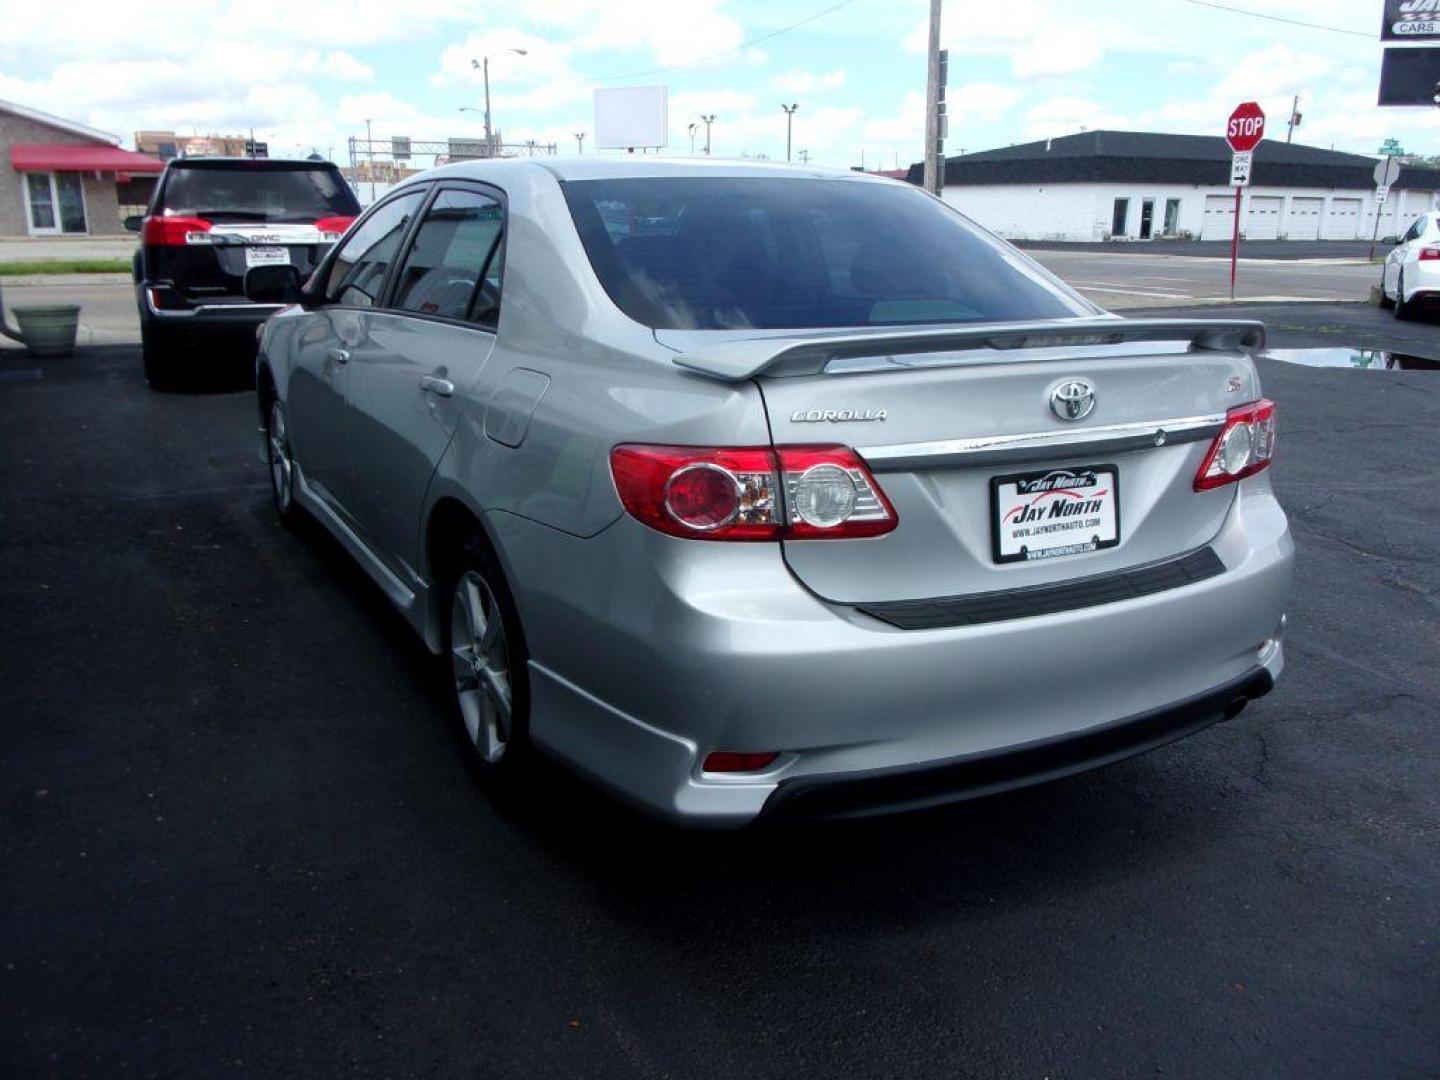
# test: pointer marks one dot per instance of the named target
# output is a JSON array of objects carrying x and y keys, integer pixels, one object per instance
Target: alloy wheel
[
  {"x": 480, "y": 659},
  {"x": 282, "y": 476}
]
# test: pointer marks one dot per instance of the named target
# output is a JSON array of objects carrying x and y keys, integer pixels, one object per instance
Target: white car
[{"x": 1412, "y": 271}]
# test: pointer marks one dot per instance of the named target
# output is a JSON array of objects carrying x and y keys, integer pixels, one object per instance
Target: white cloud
[
  {"x": 1054, "y": 51},
  {"x": 796, "y": 81}
]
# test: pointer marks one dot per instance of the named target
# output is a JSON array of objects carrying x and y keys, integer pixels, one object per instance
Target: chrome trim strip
[
  {"x": 1033, "y": 445},
  {"x": 204, "y": 309}
]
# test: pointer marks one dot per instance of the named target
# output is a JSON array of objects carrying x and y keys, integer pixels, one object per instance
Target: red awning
[{"x": 90, "y": 157}]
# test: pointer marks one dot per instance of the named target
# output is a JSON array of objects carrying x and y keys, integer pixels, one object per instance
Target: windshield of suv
[
  {"x": 248, "y": 193},
  {"x": 722, "y": 253}
]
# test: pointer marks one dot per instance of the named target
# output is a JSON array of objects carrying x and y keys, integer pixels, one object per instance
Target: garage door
[
  {"x": 1262, "y": 217},
  {"x": 1219, "y": 217},
  {"x": 1304, "y": 220},
  {"x": 1343, "y": 220}
]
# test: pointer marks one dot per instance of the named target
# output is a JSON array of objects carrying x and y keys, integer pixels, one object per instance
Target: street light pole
[
  {"x": 691, "y": 130},
  {"x": 789, "y": 124},
  {"x": 707, "y": 120},
  {"x": 370, "y": 158},
  {"x": 484, "y": 65},
  {"x": 579, "y": 142}
]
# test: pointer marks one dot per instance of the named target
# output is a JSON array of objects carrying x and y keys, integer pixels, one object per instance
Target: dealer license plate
[
  {"x": 266, "y": 256},
  {"x": 1040, "y": 515}
]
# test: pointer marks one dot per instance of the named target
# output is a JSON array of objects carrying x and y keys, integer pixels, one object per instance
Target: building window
[
  {"x": 1147, "y": 218},
  {"x": 1172, "y": 217},
  {"x": 1118, "y": 218},
  {"x": 54, "y": 202}
]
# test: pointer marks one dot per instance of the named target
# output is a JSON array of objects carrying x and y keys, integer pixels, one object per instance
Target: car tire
[
  {"x": 1385, "y": 301},
  {"x": 1402, "y": 309},
  {"x": 486, "y": 664},
  {"x": 281, "y": 462},
  {"x": 161, "y": 367}
]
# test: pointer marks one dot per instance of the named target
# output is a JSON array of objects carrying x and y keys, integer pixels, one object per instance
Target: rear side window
[
  {"x": 721, "y": 253},
  {"x": 258, "y": 193},
  {"x": 358, "y": 273},
  {"x": 452, "y": 268}
]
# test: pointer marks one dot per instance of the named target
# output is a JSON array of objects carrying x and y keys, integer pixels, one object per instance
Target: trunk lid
[{"x": 942, "y": 417}]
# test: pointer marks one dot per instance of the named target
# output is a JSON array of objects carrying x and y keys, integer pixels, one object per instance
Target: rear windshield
[
  {"x": 248, "y": 193},
  {"x": 715, "y": 253}
]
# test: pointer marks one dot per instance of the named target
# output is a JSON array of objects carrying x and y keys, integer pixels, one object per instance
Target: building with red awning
[{"x": 66, "y": 179}]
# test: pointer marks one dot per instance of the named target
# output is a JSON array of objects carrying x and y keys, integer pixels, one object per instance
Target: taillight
[
  {"x": 1429, "y": 253},
  {"x": 1243, "y": 447},
  {"x": 745, "y": 493},
  {"x": 159, "y": 229},
  {"x": 332, "y": 228}
]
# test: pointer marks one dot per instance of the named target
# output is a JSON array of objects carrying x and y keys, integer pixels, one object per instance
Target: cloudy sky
[{"x": 307, "y": 75}]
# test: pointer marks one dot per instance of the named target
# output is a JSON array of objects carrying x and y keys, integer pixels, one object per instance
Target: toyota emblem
[{"x": 1073, "y": 399}]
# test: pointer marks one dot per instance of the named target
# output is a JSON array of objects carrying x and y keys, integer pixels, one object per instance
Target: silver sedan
[{"x": 751, "y": 491}]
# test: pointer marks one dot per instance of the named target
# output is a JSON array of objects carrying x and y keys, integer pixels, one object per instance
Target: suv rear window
[
  {"x": 258, "y": 193},
  {"x": 721, "y": 253}
]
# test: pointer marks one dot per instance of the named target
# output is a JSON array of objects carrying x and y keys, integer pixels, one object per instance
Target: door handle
[
  {"x": 340, "y": 356},
  {"x": 434, "y": 384}
]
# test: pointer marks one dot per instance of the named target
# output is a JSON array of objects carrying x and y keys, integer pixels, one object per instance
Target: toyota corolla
[{"x": 750, "y": 490}]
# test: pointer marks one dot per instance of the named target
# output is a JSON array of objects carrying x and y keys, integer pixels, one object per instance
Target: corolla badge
[
  {"x": 1073, "y": 399},
  {"x": 838, "y": 416}
]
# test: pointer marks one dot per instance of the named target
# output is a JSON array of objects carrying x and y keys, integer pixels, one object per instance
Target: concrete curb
[{"x": 21, "y": 281}]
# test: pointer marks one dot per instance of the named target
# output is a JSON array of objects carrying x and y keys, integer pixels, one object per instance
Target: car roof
[
  {"x": 626, "y": 167},
  {"x": 205, "y": 162}
]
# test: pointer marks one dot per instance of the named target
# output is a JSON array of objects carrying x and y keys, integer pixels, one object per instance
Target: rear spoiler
[{"x": 734, "y": 361}]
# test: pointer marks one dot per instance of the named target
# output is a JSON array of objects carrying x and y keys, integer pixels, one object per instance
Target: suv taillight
[
  {"x": 332, "y": 228},
  {"x": 1428, "y": 253},
  {"x": 166, "y": 231},
  {"x": 1244, "y": 446},
  {"x": 744, "y": 493}
]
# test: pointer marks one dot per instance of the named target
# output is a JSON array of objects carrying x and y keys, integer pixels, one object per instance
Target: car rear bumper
[
  {"x": 681, "y": 648},
  {"x": 861, "y": 794},
  {"x": 221, "y": 316}
]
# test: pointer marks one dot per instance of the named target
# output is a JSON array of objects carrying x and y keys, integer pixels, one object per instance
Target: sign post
[
  {"x": 1243, "y": 131},
  {"x": 1386, "y": 173}
]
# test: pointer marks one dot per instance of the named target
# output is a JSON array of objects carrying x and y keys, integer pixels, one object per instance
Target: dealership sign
[{"x": 1409, "y": 20}]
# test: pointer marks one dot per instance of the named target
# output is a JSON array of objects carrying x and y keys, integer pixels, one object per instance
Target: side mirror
[
  {"x": 133, "y": 222},
  {"x": 273, "y": 284}
]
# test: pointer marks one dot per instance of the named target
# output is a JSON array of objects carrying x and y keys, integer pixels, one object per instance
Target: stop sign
[{"x": 1246, "y": 127}]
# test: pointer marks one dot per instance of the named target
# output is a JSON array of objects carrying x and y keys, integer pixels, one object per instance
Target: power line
[
  {"x": 1280, "y": 19},
  {"x": 726, "y": 52}
]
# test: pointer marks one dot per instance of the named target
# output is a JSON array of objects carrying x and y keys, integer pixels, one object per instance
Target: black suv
[{"x": 210, "y": 220}]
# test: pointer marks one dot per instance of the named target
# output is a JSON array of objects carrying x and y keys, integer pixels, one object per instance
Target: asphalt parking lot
[{"x": 236, "y": 836}]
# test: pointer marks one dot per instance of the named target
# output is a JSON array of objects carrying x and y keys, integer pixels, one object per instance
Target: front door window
[
  {"x": 56, "y": 202},
  {"x": 71, "y": 191}
]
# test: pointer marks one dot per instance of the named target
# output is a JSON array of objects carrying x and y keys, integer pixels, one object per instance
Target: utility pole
[
  {"x": 707, "y": 120},
  {"x": 579, "y": 142},
  {"x": 804, "y": 156},
  {"x": 789, "y": 124},
  {"x": 934, "y": 96},
  {"x": 1294, "y": 117}
]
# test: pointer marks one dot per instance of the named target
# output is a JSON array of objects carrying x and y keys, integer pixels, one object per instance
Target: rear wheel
[
  {"x": 1402, "y": 309},
  {"x": 486, "y": 650},
  {"x": 161, "y": 366},
  {"x": 282, "y": 464},
  {"x": 1385, "y": 301}
]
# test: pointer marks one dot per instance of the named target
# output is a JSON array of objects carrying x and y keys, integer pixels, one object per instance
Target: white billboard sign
[{"x": 629, "y": 117}]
